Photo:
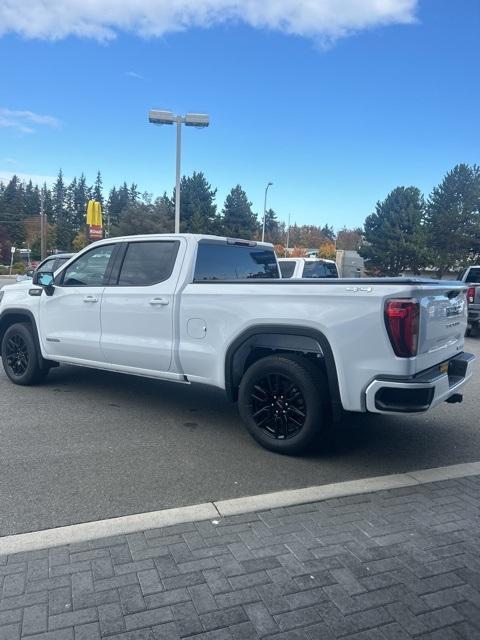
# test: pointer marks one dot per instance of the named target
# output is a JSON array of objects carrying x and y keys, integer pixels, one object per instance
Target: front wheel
[
  {"x": 19, "y": 356},
  {"x": 283, "y": 402}
]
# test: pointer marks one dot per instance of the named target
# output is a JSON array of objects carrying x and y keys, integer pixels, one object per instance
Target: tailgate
[{"x": 443, "y": 322}]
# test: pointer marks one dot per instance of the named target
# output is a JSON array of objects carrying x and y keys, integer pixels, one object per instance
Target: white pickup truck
[
  {"x": 307, "y": 268},
  {"x": 203, "y": 309}
]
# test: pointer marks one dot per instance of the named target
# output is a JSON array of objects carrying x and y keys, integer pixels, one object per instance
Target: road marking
[{"x": 211, "y": 510}]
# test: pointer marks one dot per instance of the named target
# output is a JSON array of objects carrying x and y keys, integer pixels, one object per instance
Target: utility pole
[
  {"x": 288, "y": 236},
  {"x": 265, "y": 210},
  {"x": 42, "y": 229}
]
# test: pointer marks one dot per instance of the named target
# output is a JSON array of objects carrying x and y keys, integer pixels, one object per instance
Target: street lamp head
[
  {"x": 161, "y": 117},
  {"x": 270, "y": 184},
  {"x": 197, "y": 120}
]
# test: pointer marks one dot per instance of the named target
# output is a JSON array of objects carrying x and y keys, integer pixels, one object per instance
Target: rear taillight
[
  {"x": 471, "y": 295},
  {"x": 402, "y": 320}
]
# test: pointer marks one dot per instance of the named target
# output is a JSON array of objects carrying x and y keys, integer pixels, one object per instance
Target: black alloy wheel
[
  {"x": 283, "y": 400},
  {"x": 20, "y": 357},
  {"x": 278, "y": 406},
  {"x": 17, "y": 355}
]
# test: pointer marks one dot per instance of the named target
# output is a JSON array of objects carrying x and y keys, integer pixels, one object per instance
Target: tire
[
  {"x": 20, "y": 357},
  {"x": 284, "y": 427}
]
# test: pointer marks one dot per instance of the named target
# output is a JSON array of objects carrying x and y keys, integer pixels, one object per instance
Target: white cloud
[
  {"x": 324, "y": 20},
  {"x": 6, "y": 176},
  {"x": 134, "y": 74},
  {"x": 23, "y": 121}
]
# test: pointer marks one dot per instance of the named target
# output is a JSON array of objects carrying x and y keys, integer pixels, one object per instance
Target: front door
[
  {"x": 70, "y": 318},
  {"x": 137, "y": 308}
]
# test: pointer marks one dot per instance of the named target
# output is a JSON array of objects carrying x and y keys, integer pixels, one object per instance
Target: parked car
[
  {"x": 49, "y": 265},
  {"x": 471, "y": 276},
  {"x": 192, "y": 308},
  {"x": 307, "y": 268}
]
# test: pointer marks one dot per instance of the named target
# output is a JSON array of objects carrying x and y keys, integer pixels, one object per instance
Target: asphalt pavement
[{"x": 87, "y": 445}]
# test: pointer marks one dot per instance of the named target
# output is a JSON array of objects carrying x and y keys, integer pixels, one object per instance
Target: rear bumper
[
  {"x": 422, "y": 391},
  {"x": 473, "y": 314}
]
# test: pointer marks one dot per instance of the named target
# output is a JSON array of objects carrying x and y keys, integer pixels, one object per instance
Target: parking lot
[{"x": 88, "y": 445}]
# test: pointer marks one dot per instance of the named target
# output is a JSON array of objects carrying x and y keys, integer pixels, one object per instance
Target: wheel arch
[
  {"x": 263, "y": 339},
  {"x": 13, "y": 316}
]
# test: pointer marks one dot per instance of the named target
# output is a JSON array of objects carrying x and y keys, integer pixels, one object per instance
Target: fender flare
[{"x": 294, "y": 338}]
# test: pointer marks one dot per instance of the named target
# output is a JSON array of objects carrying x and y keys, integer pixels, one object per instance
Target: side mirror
[
  {"x": 45, "y": 280},
  {"x": 29, "y": 273}
]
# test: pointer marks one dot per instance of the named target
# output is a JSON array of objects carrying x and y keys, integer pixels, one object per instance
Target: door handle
[
  {"x": 90, "y": 299},
  {"x": 160, "y": 302}
]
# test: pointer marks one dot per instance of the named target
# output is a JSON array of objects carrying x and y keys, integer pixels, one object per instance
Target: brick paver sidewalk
[{"x": 393, "y": 564}]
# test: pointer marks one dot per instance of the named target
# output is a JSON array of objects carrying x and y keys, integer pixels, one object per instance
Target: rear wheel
[
  {"x": 283, "y": 402},
  {"x": 19, "y": 356}
]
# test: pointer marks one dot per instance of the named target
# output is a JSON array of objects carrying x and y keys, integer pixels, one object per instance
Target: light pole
[
  {"x": 288, "y": 236},
  {"x": 199, "y": 120},
  {"x": 265, "y": 210}
]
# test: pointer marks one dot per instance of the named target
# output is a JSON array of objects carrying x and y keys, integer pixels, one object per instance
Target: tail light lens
[
  {"x": 471, "y": 295},
  {"x": 402, "y": 320}
]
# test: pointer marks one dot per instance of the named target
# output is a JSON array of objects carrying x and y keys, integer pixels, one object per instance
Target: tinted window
[
  {"x": 90, "y": 269},
  {"x": 320, "y": 270},
  {"x": 473, "y": 276},
  {"x": 59, "y": 262},
  {"x": 47, "y": 266},
  {"x": 148, "y": 263},
  {"x": 287, "y": 268},
  {"x": 232, "y": 262}
]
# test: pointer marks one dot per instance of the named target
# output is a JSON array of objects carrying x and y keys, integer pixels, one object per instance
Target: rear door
[{"x": 138, "y": 305}]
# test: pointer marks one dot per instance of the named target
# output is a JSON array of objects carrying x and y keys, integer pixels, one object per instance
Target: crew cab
[
  {"x": 203, "y": 309},
  {"x": 471, "y": 277},
  {"x": 307, "y": 268}
]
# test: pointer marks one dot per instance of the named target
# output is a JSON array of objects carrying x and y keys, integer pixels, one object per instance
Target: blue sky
[{"x": 334, "y": 114}]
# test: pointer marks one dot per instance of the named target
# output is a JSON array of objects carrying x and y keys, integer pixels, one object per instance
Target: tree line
[
  {"x": 128, "y": 211},
  {"x": 408, "y": 232}
]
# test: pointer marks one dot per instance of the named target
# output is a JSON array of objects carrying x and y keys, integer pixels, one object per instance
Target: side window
[
  {"x": 47, "y": 266},
  {"x": 473, "y": 276},
  {"x": 148, "y": 263},
  {"x": 90, "y": 269},
  {"x": 59, "y": 262},
  {"x": 287, "y": 268},
  {"x": 217, "y": 261},
  {"x": 320, "y": 270}
]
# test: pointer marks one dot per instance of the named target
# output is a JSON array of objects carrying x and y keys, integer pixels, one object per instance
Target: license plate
[{"x": 443, "y": 367}]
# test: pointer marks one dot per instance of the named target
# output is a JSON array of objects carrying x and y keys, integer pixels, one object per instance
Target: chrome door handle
[
  {"x": 90, "y": 299},
  {"x": 161, "y": 302}
]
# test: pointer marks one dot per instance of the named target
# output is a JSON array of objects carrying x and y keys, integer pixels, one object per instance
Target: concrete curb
[{"x": 214, "y": 510}]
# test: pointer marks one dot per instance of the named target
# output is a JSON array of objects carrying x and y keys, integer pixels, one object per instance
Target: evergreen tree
[
  {"x": 46, "y": 195},
  {"x": 274, "y": 231},
  {"x": 59, "y": 194},
  {"x": 133, "y": 193},
  {"x": 395, "y": 233},
  {"x": 97, "y": 193},
  {"x": 32, "y": 200},
  {"x": 238, "y": 219},
  {"x": 12, "y": 211},
  {"x": 453, "y": 214},
  {"x": 198, "y": 211}
]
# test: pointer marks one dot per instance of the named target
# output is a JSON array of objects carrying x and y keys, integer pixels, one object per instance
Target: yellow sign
[
  {"x": 94, "y": 220},
  {"x": 94, "y": 214}
]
